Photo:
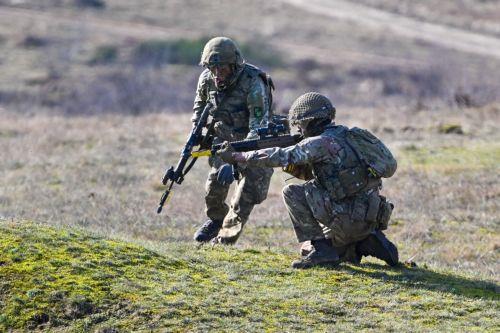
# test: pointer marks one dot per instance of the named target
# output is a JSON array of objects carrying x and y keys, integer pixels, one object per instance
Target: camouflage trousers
[
  {"x": 251, "y": 190},
  {"x": 314, "y": 215}
]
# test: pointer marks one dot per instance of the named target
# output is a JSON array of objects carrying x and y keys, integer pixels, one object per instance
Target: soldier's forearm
[{"x": 269, "y": 158}]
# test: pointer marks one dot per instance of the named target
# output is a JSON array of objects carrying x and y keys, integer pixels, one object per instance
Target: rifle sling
[{"x": 190, "y": 165}]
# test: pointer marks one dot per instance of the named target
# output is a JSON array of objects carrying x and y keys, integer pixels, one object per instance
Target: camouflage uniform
[
  {"x": 241, "y": 108},
  {"x": 316, "y": 207},
  {"x": 338, "y": 209}
]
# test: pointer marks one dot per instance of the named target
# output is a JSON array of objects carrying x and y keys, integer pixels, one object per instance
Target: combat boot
[
  {"x": 377, "y": 245},
  {"x": 207, "y": 231},
  {"x": 225, "y": 240},
  {"x": 322, "y": 254},
  {"x": 347, "y": 253}
]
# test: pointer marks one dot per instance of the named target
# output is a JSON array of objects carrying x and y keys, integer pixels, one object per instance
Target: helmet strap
[{"x": 316, "y": 127}]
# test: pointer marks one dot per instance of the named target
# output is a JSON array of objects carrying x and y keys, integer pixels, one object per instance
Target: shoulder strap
[{"x": 356, "y": 152}]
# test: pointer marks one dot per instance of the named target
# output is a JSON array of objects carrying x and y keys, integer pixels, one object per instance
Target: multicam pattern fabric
[
  {"x": 251, "y": 190},
  {"x": 313, "y": 209},
  {"x": 241, "y": 109}
]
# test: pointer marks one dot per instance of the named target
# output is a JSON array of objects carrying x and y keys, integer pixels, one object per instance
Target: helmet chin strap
[{"x": 316, "y": 127}]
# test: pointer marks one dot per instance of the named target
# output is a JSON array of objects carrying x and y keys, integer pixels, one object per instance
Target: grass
[
  {"x": 59, "y": 278},
  {"x": 158, "y": 46},
  {"x": 104, "y": 54},
  {"x": 452, "y": 159},
  {"x": 162, "y": 52},
  {"x": 188, "y": 52},
  {"x": 102, "y": 173}
]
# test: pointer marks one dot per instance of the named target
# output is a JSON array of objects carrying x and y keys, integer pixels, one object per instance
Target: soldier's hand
[
  {"x": 223, "y": 131},
  {"x": 225, "y": 174},
  {"x": 303, "y": 172},
  {"x": 226, "y": 153},
  {"x": 229, "y": 155}
]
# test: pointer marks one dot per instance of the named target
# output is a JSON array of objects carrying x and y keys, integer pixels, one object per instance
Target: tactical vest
[
  {"x": 231, "y": 103},
  {"x": 349, "y": 175}
]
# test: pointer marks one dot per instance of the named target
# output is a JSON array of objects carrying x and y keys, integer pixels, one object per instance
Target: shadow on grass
[{"x": 422, "y": 278}]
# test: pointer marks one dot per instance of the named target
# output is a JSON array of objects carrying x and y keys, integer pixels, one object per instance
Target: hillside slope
[
  {"x": 65, "y": 280},
  {"x": 449, "y": 37},
  {"x": 59, "y": 57}
]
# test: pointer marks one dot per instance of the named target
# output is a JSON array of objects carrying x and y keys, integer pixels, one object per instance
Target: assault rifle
[
  {"x": 274, "y": 135},
  {"x": 196, "y": 138}
]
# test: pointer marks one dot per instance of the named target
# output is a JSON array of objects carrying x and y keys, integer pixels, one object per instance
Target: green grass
[
  {"x": 68, "y": 280},
  {"x": 451, "y": 159},
  {"x": 160, "y": 52},
  {"x": 104, "y": 54}
]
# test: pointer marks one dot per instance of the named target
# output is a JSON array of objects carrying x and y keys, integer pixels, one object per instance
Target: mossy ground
[{"x": 66, "y": 280}]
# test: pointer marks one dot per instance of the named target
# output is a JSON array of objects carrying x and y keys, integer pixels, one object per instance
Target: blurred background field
[{"x": 96, "y": 95}]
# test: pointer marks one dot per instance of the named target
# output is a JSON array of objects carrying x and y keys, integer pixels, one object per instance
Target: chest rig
[{"x": 232, "y": 108}]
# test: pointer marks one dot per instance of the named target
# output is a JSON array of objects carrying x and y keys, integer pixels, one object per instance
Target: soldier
[
  {"x": 242, "y": 95},
  {"x": 339, "y": 209}
]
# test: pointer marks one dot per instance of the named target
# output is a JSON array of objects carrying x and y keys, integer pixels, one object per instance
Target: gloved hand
[
  {"x": 226, "y": 153},
  {"x": 225, "y": 174},
  {"x": 303, "y": 172},
  {"x": 223, "y": 131}
]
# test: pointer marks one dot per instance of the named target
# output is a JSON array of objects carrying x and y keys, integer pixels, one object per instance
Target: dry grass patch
[{"x": 103, "y": 174}]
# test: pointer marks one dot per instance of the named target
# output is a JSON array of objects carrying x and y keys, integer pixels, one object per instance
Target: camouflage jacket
[
  {"x": 241, "y": 108},
  {"x": 333, "y": 165}
]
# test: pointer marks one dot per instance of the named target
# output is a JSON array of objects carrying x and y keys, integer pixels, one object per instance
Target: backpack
[
  {"x": 268, "y": 82},
  {"x": 371, "y": 152}
]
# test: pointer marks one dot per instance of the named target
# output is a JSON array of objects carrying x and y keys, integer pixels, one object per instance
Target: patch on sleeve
[{"x": 257, "y": 112}]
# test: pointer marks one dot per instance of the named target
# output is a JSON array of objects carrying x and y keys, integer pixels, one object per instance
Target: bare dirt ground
[
  {"x": 371, "y": 18},
  {"x": 481, "y": 16}
]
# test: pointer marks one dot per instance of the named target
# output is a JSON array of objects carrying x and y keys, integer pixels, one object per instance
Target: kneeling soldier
[{"x": 339, "y": 209}]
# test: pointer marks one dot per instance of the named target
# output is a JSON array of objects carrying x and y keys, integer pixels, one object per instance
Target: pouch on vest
[
  {"x": 359, "y": 207},
  {"x": 374, "y": 202},
  {"x": 353, "y": 180},
  {"x": 372, "y": 152},
  {"x": 385, "y": 212},
  {"x": 365, "y": 208}
]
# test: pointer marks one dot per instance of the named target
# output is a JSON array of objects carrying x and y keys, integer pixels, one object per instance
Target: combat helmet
[
  {"x": 309, "y": 107},
  {"x": 221, "y": 51}
]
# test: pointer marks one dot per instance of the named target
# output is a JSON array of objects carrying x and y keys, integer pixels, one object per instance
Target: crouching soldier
[{"x": 339, "y": 209}]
